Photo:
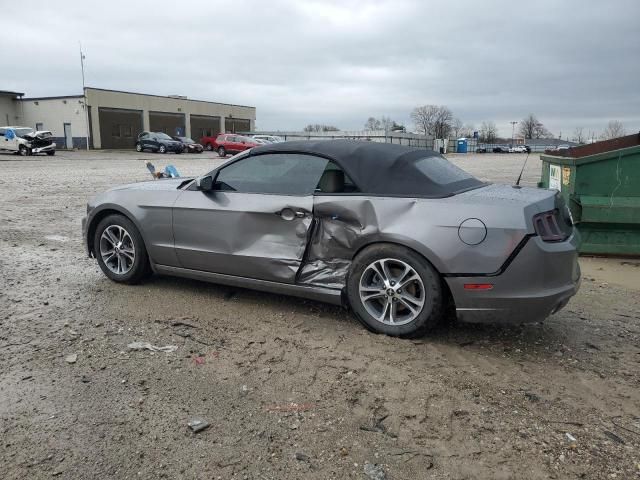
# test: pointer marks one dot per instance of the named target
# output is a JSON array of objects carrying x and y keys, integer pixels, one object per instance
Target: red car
[{"x": 228, "y": 143}]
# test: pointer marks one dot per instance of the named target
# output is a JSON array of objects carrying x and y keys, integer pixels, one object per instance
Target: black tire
[
  {"x": 139, "y": 147},
  {"x": 51, "y": 153},
  {"x": 432, "y": 310},
  {"x": 24, "y": 151},
  {"x": 179, "y": 151},
  {"x": 222, "y": 152},
  {"x": 162, "y": 149},
  {"x": 140, "y": 268}
]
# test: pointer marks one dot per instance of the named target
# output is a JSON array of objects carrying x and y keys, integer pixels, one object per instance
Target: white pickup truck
[{"x": 26, "y": 141}]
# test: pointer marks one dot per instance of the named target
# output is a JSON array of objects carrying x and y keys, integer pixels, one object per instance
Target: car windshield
[
  {"x": 163, "y": 136},
  {"x": 185, "y": 139},
  {"x": 21, "y": 132}
]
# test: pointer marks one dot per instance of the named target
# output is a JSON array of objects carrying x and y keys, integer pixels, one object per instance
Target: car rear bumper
[{"x": 538, "y": 283}]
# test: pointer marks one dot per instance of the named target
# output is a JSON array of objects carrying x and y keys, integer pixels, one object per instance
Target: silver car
[{"x": 398, "y": 234}]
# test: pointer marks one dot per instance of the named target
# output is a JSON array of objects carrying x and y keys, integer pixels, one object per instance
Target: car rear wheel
[
  {"x": 162, "y": 149},
  {"x": 393, "y": 290},
  {"x": 120, "y": 250},
  {"x": 24, "y": 150},
  {"x": 138, "y": 147},
  {"x": 222, "y": 152}
]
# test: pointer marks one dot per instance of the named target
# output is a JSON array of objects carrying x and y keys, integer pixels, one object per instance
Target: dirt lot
[{"x": 291, "y": 388}]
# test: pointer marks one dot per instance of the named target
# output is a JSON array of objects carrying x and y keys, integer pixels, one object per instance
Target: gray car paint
[{"x": 244, "y": 239}]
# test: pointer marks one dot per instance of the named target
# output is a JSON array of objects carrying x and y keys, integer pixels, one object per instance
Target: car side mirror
[{"x": 204, "y": 183}]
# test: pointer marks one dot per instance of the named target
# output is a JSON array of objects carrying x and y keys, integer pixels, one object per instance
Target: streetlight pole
[
  {"x": 513, "y": 131},
  {"x": 84, "y": 96}
]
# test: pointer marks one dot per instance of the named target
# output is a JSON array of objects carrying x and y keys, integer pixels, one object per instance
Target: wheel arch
[
  {"x": 437, "y": 266},
  {"x": 103, "y": 213}
]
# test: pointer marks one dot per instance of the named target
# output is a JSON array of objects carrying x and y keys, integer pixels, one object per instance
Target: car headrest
[{"x": 332, "y": 181}]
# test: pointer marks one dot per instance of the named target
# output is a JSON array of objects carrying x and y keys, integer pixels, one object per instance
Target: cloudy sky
[{"x": 573, "y": 63}]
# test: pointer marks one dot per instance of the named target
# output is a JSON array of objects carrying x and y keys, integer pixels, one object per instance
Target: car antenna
[{"x": 517, "y": 185}]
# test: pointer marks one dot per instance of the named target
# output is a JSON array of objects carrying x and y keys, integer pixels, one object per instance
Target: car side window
[
  {"x": 334, "y": 180},
  {"x": 277, "y": 173}
]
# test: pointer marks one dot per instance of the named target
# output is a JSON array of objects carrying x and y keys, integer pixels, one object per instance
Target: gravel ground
[{"x": 290, "y": 388}]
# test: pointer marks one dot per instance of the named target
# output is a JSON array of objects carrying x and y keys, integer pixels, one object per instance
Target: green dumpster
[{"x": 601, "y": 184}]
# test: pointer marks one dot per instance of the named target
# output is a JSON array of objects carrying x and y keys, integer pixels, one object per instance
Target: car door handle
[{"x": 290, "y": 214}]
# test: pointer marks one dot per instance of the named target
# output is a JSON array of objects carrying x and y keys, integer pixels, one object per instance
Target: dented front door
[{"x": 252, "y": 235}]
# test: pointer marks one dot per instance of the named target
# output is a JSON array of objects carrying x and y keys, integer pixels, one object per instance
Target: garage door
[
  {"x": 169, "y": 123},
  {"x": 119, "y": 128},
  {"x": 204, "y": 126},
  {"x": 237, "y": 125}
]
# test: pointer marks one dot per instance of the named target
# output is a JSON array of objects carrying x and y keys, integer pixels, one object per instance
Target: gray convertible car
[{"x": 397, "y": 234}]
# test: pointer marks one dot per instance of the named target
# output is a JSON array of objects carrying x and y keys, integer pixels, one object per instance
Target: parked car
[
  {"x": 189, "y": 145},
  {"x": 501, "y": 149},
  {"x": 396, "y": 233},
  {"x": 527, "y": 148},
  {"x": 269, "y": 138},
  {"x": 517, "y": 149},
  {"x": 232, "y": 143},
  {"x": 26, "y": 141},
  {"x": 158, "y": 142},
  {"x": 481, "y": 150}
]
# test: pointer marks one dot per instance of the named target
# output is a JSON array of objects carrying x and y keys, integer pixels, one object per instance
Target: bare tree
[
  {"x": 442, "y": 126},
  {"x": 373, "y": 123},
  {"x": 467, "y": 130},
  {"x": 614, "y": 129},
  {"x": 578, "y": 135},
  {"x": 423, "y": 118},
  {"x": 488, "y": 132},
  {"x": 456, "y": 127},
  {"x": 531, "y": 127},
  {"x": 432, "y": 120},
  {"x": 542, "y": 132},
  {"x": 317, "y": 127}
]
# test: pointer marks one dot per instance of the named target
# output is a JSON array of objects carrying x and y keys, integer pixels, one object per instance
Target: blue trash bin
[{"x": 461, "y": 145}]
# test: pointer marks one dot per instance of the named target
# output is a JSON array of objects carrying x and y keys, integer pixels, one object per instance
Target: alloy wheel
[
  {"x": 117, "y": 249},
  {"x": 391, "y": 291}
]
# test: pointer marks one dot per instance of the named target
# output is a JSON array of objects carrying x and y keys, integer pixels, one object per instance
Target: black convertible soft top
[{"x": 384, "y": 168}]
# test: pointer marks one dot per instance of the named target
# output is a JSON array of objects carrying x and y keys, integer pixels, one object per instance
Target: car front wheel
[
  {"x": 24, "y": 151},
  {"x": 120, "y": 250},
  {"x": 138, "y": 147},
  {"x": 162, "y": 149},
  {"x": 395, "y": 291},
  {"x": 222, "y": 152}
]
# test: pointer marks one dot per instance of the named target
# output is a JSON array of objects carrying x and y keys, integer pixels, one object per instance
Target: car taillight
[{"x": 547, "y": 226}]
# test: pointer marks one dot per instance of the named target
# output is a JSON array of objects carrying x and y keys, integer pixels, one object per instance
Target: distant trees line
[{"x": 438, "y": 121}]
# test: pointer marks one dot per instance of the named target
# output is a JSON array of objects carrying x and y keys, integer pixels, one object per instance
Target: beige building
[{"x": 116, "y": 118}]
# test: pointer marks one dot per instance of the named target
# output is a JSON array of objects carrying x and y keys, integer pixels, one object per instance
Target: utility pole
[
  {"x": 513, "y": 132},
  {"x": 84, "y": 96}
]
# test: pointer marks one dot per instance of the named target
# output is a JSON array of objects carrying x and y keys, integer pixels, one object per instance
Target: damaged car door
[{"x": 254, "y": 221}]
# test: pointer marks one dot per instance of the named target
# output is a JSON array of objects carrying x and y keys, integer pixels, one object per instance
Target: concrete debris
[
  {"x": 153, "y": 348},
  {"x": 72, "y": 358},
  {"x": 302, "y": 457},
  {"x": 374, "y": 471},
  {"x": 198, "y": 424}
]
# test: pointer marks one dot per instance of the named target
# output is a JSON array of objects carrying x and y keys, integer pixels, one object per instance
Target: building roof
[
  {"x": 173, "y": 97},
  {"x": 385, "y": 169},
  {"x": 9, "y": 93},
  {"x": 59, "y": 97}
]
